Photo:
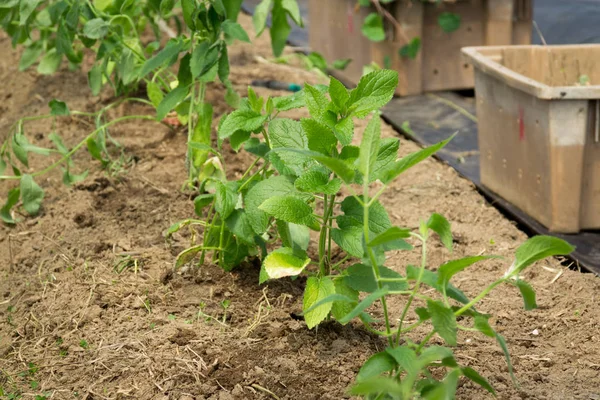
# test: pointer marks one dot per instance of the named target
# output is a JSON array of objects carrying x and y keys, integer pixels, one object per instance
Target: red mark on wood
[
  {"x": 521, "y": 124},
  {"x": 350, "y": 20}
]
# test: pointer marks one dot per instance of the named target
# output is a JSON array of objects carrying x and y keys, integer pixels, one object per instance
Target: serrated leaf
[
  {"x": 376, "y": 365},
  {"x": 287, "y": 133},
  {"x": 226, "y": 198},
  {"x": 360, "y": 277},
  {"x": 239, "y": 225},
  {"x": 241, "y": 120},
  {"x": 405, "y": 357},
  {"x": 379, "y": 220},
  {"x": 369, "y": 146},
  {"x": 377, "y": 385},
  {"x": 316, "y": 290},
  {"x": 386, "y": 156},
  {"x": 26, "y": 8},
  {"x": 373, "y": 91},
  {"x": 372, "y": 27},
  {"x": 273, "y": 186},
  {"x": 430, "y": 278},
  {"x": 11, "y": 200},
  {"x": 235, "y": 31},
  {"x": 290, "y": 209},
  {"x": 389, "y": 235},
  {"x": 320, "y": 138},
  {"x": 314, "y": 180},
  {"x": 294, "y": 236},
  {"x": 538, "y": 248},
  {"x": 286, "y": 103},
  {"x": 58, "y": 108},
  {"x": 478, "y": 379},
  {"x": 443, "y": 320},
  {"x": 339, "y": 167},
  {"x": 340, "y": 309},
  {"x": 364, "y": 304},
  {"x": 449, "y": 22},
  {"x": 344, "y": 131},
  {"x": 441, "y": 226},
  {"x": 96, "y": 28},
  {"x": 451, "y": 268},
  {"x": 284, "y": 262},
  {"x": 350, "y": 240},
  {"x": 31, "y": 194},
  {"x": 528, "y": 294},
  {"x": 316, "y": 102},
  {"x": 338, "y": 93},
  {"x": 202, "y": 201},
  {"x": 413, "y": 159}
]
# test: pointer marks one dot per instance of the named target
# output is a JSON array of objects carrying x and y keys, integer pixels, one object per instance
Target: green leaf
[
  {"x": 433, "y": 354},
  {"x": 431, "y": 278},
  {"x": 316, "y": 290},
  {"x": 338, "y": 93},
  {"x": 26, "y": 8},
  {"x": 339, "y": 167},
  {"x": 361, "y": 277},
  {"x": 284, "y": 262},
  {"x": 316, "y": 102},
  {"x": 259, "y": 19},
  {"x": 441, "y": 226},
  {"x": 187, "y": 256},
  {"x": 232, "y": 8},
  {"x": 241, "y": 120},
  {"x": 350, "y": 240},
  {"x": 386, "y": 156},
  {"x": 292, "y": 8},
  {"x": 482, "y": 325},
  {"x": 96, "y": 28},
  {"x": 377, "y": 385},
  {"x": 287, "y": 133},
  {"x": 189, "y": 9},
  {"x": 202, "y": 201},
  {"x": 376, "y": 365},
  {"x": 369, "y": 146},
  {"x": 411, "y": 50},
  {"x": 478, "y": 379},
  {"x": 344, "y": 131},
  {"x": 372, "y": 28},
  {"x": 58, "y": 108},
  {"x": 226, "y": 198},
  {"x": 95, "y": 80},
  {"x": 390, "y": 235},
  {"x": 528, "y": 294},
  {"x": 374, "y": 90},
  {"x": 11, "y": 201},
  {"x": 340, "y": 309},
  {"x": 167, "y": 54},
  {"x": 30, "y": 56},
  {"x": 273, "y": 186},
  {"x": 538, "y": 248},
  {"x": 290, "y": 209},
  {"x": 320, "y": 138},
  {"x": 443, "y": 320},
  {"x": 413, "y": 159},
  {"x": 235, "y": 31},
  {"x": 379, "y": 221},
  {"x": 366, "y": 302},
  {"x": 31, "y": 194},
  {"x": 451, "y": 268},
  {"x": 504, "y": 347},
  {"x": 314, "y": 180},
  {"x": 170, "y": 101},
  {"x": 286, "y": 103},
  {"x": 49, "y": 63},
  {"x": 406, "y": 358},
  {"x": 294, "y": 236},
  {"x": 449, "y": 22},
  {"x": 154, "y": 93},
  {"x": 280, "y": 28}
]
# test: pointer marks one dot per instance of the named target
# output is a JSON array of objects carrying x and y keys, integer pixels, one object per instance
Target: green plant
[
  {"x": 53, "y": 30},
  {"x": 293, "y": 187}
]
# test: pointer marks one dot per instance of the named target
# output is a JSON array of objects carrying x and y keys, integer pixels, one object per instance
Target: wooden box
[
  {"x": 538, "y": 111},
  {"x": 335, "y": 32}
]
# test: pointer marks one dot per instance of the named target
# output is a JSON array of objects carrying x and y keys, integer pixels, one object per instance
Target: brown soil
[{"x": 154, "y": 334}]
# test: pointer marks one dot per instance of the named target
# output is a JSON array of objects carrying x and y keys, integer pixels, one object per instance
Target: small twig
[
  {"x": 385, "y": 13},
  {"x": 262, "y": 389}
]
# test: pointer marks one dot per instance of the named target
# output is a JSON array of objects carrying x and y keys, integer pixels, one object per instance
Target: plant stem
[
  {"x": 80, "y": 144},
  {"x": 480, "y": 296},
  {"x": 207, "y": 232},
  {"x": 323, "y": 269},
  {"x": 415, "y": 289},
  {"x": 372, "y": 258}
]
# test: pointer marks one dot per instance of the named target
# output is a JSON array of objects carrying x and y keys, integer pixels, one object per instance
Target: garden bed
[{"x": 73, "y": 327}]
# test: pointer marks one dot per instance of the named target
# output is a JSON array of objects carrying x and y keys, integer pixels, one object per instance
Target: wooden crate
[
  {"x": 539, "y": 130},
  {"x": 335, "y": 32}
]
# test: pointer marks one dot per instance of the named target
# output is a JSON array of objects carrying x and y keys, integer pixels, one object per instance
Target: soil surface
[{"x": 71, "y": 326}]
